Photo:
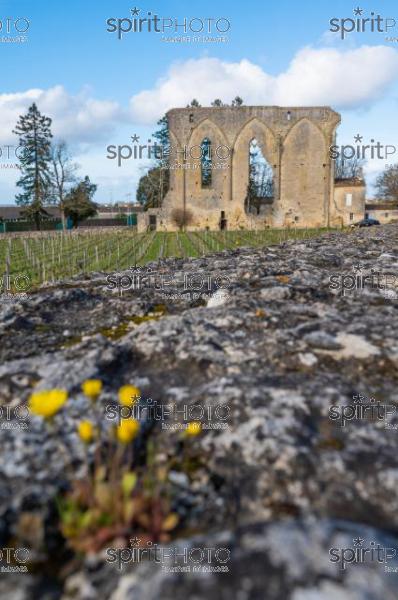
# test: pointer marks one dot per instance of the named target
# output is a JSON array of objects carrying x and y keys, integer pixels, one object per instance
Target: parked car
[{"x": 367, "y": 222}]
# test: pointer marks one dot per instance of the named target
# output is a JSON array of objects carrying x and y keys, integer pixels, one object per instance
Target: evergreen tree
[
  {"x": 206, "y": 163},
  {"x": 237, "y": 101},
  {"x": 162, "y": 135},
  {"x": 78, "y": 204},
  {"x": 154, "y": 185},
  {"x": 35, "y": 136},
  {"x": 194, "y": 104}
]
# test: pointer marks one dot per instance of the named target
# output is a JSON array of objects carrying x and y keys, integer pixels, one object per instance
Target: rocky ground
[{"x": 280, "y": 482}]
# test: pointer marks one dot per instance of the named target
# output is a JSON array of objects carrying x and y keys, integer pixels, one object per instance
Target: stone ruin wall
[{"x": 295, "y": 142}]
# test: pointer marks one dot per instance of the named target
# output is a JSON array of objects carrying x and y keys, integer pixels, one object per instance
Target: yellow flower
[
  {"x": 86, "y": 431},
  {"x": 193, "y": 428},
  {"x": 128, "y": 395},
  {"x": 47, "y": 403},
  {"x": 92, "y": 388},
  {"x": 127, "y": 430}
]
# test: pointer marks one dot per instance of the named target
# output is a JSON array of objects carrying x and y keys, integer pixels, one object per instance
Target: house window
[
  {"x": 348, "y": 199},
  {"x": 206, "y": 163},
  {"x": 351, "y": 216},
  {"x": 191, "y": 118},
  {"x": 297, "y": 219},
  {"x": 386, "y": 215}
]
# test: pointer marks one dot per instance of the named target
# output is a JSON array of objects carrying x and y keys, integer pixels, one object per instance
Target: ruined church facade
[{"x": 213, "y": 194}]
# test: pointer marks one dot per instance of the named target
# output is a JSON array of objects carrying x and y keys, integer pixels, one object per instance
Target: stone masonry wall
[{"x": 295, "y": 142}]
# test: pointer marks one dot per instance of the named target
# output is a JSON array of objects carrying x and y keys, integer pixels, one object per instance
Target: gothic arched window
[{"x": 206, "y": 163}]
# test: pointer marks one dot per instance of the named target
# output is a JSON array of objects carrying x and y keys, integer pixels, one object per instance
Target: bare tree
[
  {"x": 348, "y": 168},
  {"x": 387, "y": 183},
  {"x": 63, "y": 175},
  {"x": 265, "y": 182},
  {"x": 153, "y": 187},
  {"x": 261, "y": 179},
  {"x": 181, "y": 217}
]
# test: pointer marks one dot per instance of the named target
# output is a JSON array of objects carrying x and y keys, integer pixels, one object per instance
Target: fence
[
  {"x": 53, "y": 224},
  {"x": 11, "y": 226},
  {"x": 103, "y": 222}
]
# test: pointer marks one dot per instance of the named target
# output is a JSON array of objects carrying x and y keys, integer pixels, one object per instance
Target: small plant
[
  {"x": 121, "y": 495},
  {"x": 115, "y": 502}
]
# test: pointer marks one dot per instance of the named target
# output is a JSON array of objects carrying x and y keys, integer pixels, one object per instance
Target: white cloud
[
  {"x": 343, "y": 79},
  {"x": 78, "y": 118},
  {"x": 349, "y": 79}
]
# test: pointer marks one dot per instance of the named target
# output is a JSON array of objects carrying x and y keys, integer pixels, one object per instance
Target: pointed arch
[
  {"x": 255, "y": 125},
  {"x": 267, "y": 141},
  {"x": 298, "y": 124},
  {"x": 208, "y": 180},
  {"x": 207, "y": 128}
]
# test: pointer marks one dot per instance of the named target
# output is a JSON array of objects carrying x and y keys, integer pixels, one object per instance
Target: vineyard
[{"x": 50, "y": 257}]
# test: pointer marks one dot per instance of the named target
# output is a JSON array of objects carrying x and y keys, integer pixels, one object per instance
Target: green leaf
[{"x": 129, "y": 482}]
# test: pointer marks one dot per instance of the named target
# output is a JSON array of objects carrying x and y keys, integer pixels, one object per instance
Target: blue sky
[{"x": 100, "y": 90}]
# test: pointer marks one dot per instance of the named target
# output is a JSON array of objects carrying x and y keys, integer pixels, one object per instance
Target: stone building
[
  {"x": 210, "y": 164},
  {"x": 383, "y": 211},
  {"x": 348, "y": 201}
]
